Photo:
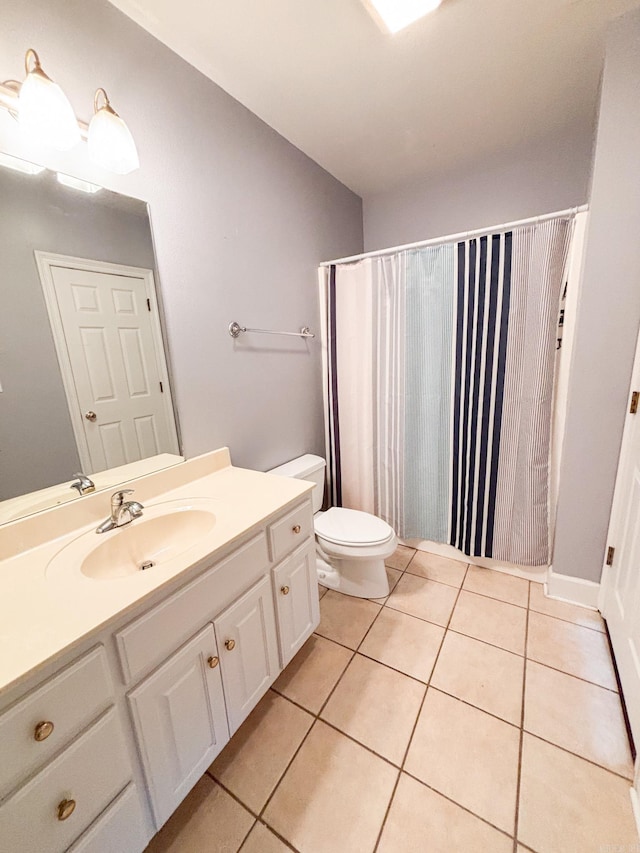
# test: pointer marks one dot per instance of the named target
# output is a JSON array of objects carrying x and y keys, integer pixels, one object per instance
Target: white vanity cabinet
[
  {"x": 248, "y": 644},
  {"x": 126, "y": 726},
  {"x": 63, "y": 758},
  {"x": 180, "y": 720},
  {"x": 295, "y": 586}
]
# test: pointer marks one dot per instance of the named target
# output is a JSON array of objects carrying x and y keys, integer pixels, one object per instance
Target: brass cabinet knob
[
  {"x": 43, "y": 730},
  {"x": 66, "y": 808},
  {"x": 91, "y": 416},
  {"x": 230, "y": 645},
  {"x": 296, "y": 528},
  {"x": 284, "y": 590},
  {"x": 213, "y": 661}
]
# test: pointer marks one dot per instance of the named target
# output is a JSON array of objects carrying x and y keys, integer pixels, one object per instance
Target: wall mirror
[{"x": 84, "y": 379}]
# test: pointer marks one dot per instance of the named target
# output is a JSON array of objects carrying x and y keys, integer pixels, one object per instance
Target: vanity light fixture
[
  {"x": 19, "y": 165},
  {"x": 77, "y": 183},
  {"x": 45, "y": 114},
  {"x": 44, "y": 111},
  {"x": 110, "y": 141},
  {"x": 394, "y": 15}
]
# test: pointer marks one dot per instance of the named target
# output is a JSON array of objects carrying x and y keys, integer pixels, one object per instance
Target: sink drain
[{"x": 149, "y": 564}]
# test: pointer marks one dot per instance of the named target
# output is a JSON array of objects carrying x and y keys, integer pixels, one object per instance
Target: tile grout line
[
  {"x": 415, "y": 724},
  {"x": 516, "y": 815}
]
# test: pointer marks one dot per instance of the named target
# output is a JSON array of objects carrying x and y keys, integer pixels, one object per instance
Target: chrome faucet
[
  {"x": 122, "y": 512},
  {"x": 84, "y": 485}
]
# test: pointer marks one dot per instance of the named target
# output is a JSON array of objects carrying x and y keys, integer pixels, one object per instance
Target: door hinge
[
  {"x": 148, "y": 305},
  {"x": 633, "y": 408},
  {"x": 161, "y": 389},
  {"x": 610, "y": 552}
]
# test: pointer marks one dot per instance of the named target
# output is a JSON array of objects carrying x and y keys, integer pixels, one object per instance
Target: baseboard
[
  {"x": 573, "y": 590},
  {"x": 635, "y": 806}
]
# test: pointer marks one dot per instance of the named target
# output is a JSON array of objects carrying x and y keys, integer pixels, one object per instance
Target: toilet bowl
[{"x": 351, "y": 546}]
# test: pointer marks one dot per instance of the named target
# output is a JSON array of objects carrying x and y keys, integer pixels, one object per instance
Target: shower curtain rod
[{"x": 464, "y": 235}]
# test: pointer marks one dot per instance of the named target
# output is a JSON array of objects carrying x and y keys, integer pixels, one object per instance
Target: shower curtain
[{"x": 439, "y": 370}]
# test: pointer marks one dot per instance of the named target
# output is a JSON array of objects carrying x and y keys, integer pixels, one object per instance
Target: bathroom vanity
[{"x": 118, "y": 685}]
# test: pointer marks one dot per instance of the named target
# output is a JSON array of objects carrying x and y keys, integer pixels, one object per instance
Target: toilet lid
[{"x": 351, "y": 527}]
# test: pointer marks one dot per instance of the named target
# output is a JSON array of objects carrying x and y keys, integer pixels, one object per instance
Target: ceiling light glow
[
  {"x": 395, "y": 15},
  {"x": 18, "y": 165}
]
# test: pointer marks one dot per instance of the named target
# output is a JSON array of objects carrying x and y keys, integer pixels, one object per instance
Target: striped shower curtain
[{"x": 439, "y": 370}]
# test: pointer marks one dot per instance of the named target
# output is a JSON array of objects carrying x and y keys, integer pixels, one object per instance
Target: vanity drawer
[
  {"x": 91, "y": 772},
  {"x": 290, "y": 531},
  {"x": 153, "y": 637},
  {"x": 69, "y": 702},
  {"x": 120, "y": 828}
]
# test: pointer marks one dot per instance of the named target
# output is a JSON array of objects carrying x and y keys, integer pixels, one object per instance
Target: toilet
[{"x": 351, "y": 546}]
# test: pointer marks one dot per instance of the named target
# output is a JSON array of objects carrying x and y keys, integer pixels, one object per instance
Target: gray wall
[
  {"x": 608, "y": 317},
  {"x": 37, "y": 445},
  {"x": 241, "y": 218},
  {"x": 547, "y": 174}
]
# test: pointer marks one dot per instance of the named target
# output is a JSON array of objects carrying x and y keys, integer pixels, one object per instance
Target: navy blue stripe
[
  {"x": 455, "y": 497},
  {"x": 333, "y": 376},
  {"x": 497, "y": 420},
  {"x": 471, "y": 294},
  {"x": 488, "y": 374},
  {"x": 479, "y": 328}
]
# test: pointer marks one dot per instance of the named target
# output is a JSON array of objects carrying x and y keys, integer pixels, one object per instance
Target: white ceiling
[{"x": 472, "y": 79}]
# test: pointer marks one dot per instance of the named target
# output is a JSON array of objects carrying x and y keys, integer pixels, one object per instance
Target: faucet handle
[{"x": 117, "y": 498}]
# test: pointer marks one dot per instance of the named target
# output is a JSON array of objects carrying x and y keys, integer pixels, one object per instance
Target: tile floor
[{"x": 465, "y": 712}]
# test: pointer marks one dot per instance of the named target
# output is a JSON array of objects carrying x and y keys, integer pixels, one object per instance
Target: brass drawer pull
[
  {"x": 213, "y": 661},
  {"x": 284, "y": 590},
  {"x": 296, "y": 528},
  {"x": 43, "y": 730},
  {"x": 66, "y": 808},
  {"x": 230, "y": 645}
]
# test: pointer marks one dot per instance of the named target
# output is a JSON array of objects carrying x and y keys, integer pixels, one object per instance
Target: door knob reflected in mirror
[{"x": 91, "y": 416}]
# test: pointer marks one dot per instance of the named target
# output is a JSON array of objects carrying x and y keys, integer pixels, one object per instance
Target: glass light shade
[
  {"x": 45, "y": 114},
  {"x": 111, "y": 144}
]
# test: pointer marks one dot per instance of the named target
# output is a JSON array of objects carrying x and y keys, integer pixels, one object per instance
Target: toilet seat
[{"x": 351, "y": 527}]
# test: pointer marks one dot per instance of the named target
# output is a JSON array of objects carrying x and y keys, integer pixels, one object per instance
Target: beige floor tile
[
  {"x": 400, "y": 557},
  {"x": 421, "y": 820},
  {"x": 495, "y": 622},
  {"x": 376, "y": 706},
  {"x": 262, "y": 840},
  {"x": 333, "y": 797},
  {"x": 561, "y": 610},
  {"x": 467, "y": 755},
  {"x": 484, "y": 676},
  {"x": 404, "y": 642},
  {"x": 423, "y": 598},
  {"x": 437, "y": 568},
  {"x": 208, "y": 819},
  {"x": 255, "y": 759},
  {"x": 346, "y": 619},
  {"x": 322, "y": 591},
  {"x": 570, "y": 806},
  {"x": 313, "y": 673},
  {"x": 577, "y": 715},
  {"x": 497, "y": 585},
  {"x": 570, "y": 648},
  {"x": 393, "y": 576}
]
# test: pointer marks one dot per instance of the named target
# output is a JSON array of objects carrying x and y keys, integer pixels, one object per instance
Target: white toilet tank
[{"x": 307, "y": 467}]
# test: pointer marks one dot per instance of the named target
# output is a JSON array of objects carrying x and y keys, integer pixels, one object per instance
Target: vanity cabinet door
[
  {"x": 247, "y": 639},
  {"x": 297, "y": 601},
  {"x": 180, "y": 722}
]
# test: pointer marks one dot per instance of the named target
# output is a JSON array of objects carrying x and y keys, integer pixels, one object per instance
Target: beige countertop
[{"x": 43, "y": 616}]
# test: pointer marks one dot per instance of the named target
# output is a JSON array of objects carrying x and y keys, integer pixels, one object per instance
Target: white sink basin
[{"x": 163, "y": 532}]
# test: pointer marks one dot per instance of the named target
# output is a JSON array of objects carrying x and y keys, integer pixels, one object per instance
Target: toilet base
[{"x": 364, "y": 578}]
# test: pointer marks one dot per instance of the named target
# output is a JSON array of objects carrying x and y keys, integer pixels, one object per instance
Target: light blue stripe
[{"x": 427, "y": 435}]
